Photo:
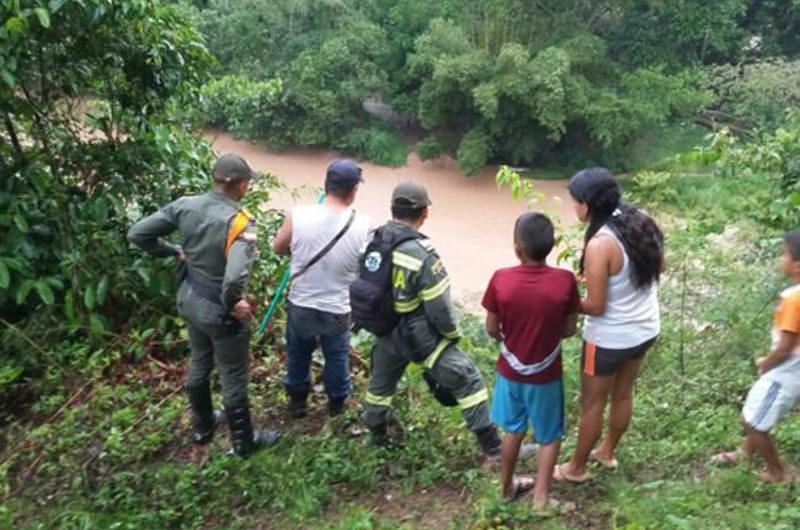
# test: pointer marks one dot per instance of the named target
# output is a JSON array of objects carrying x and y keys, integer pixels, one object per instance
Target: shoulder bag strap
[{"x": 326, "y": 249}]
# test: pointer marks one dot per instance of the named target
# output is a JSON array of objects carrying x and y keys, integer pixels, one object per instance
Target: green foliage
[
  {"x": 772, "y": 159},
  {"x": 378, "y": 144},
  {"x": 249, "y": 109},
  {"x": 88, "y": 92},
  {"x": 755, "y": 95},
  {"x": 680, "y": 32}
]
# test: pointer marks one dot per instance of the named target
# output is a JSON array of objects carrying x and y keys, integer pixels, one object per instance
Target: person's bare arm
[
  {"x": 782, "y": 351},
  {"x": 597, "y": 262},
  {"x": 570, "y": 325},
  {"x": 493, "y": 325},
  {"x": 282, "y": 244}
]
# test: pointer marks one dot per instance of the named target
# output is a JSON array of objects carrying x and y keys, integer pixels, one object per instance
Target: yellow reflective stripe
[
  {"x": 406, "y": 261},
  {"x": 372, "y": 399},
  {"x": 453, "y": 335},
  {"x": 473, "y": 400},
  {"x": 436, "y": 291},
  {"x": 434, "y": 356},
  {"x": 407, "y": 306}
]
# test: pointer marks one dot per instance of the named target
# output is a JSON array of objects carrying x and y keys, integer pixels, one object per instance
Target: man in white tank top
[{"x": 318, "y": 310}]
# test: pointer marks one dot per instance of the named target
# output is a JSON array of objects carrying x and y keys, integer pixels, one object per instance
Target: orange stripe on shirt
[{"x": 590, "y": 353}]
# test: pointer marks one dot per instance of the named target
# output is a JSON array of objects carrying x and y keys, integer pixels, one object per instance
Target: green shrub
[{"x": 375, "y": 144}]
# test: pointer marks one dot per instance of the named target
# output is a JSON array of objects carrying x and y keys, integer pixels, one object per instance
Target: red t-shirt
[{"x": 532, "y": 303}]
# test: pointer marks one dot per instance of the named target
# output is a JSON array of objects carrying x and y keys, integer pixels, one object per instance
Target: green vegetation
[
  {"x": 101, "y": 106},
  {"x": 519, "y": 82}
]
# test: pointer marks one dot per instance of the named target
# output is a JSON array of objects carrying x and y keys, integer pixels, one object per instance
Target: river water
[{"x": 470, "y": 222}]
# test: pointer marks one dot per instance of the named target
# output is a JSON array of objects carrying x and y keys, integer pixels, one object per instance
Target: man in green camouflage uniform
[
  {"x": 217, "y": 251},
  {"x": 427, "y": 332}
]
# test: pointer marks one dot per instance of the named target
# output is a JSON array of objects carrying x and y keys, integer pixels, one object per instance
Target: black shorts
[{"x": 596, "y": 360}]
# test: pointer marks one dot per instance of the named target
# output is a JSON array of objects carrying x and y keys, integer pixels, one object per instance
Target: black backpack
[{"x": 371, "y": 294}]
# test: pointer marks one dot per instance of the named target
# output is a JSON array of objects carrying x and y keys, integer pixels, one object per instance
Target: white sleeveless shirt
[
  {"x": 326, "y": 285},
  {"x": 631, "y": 316}
]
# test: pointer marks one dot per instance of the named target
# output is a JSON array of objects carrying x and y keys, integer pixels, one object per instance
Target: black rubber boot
[
  {"x": 380, "y": 437},
  {"x": 489, "y": 441},
  {"x": 204, "y": 418},
  {"x": 245, "y": 440},
  {"x": 298, "y": 406},
  {"x": 336, "y": 407}
]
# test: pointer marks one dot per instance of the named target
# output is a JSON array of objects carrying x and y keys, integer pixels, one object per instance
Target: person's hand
[
  {"x": 253, "y": 301},
  {"x": 180, "y": 256},
  {"x": 242, "y": 311},
  {"x": 761, "y": 363}
]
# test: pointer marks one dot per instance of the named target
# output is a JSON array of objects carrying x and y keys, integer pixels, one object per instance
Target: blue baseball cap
[{"x": 343, "y": 174}]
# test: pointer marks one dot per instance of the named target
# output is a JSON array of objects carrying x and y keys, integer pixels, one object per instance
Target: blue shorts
[{"x": 515, "y": 406}]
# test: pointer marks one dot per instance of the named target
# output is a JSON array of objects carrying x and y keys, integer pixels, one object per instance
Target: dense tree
[{"x": 87, "y": 94}]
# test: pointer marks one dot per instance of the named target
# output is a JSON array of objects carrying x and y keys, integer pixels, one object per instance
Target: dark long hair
[{"x": 638, "y": 232}]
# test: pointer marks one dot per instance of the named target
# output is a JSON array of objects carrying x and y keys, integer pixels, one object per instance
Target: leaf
[
  {"x": 89, "y": 297},
  {"x": 96, "y": 324},
  {"x": 102, "y": 290},
  {"x": 24, "y": 290},
  {"x": 5, "y": 276},
  {"x": 22, "y": 223},
  {"x": 45, "y": 292},
  {"x": 8, "y": 77},
  {"x": 44, "y": 16},
  {"x": 69, "y": 306}
]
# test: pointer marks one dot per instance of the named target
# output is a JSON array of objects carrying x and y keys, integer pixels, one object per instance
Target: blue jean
[{"x": 305, "y": 329}]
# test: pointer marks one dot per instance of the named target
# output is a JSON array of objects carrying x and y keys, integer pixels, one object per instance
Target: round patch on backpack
[{"x": 373, "y": 261}]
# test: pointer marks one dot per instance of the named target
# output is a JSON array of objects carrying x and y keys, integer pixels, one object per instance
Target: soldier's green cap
[
  {"x": 411, "y": 194},
  {"x": 232, "y": 168}
]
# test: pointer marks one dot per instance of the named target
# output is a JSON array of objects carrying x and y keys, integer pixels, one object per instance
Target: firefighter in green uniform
[
  {"x": 217, "y": 250},
  {"x": 426, "y": 333}
]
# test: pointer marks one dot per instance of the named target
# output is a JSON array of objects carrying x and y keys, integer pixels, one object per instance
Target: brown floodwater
[{"x": 470, "y": 222}]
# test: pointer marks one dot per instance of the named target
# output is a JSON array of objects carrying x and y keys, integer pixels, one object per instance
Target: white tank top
[
  {"x": 326, "y": 285},
  {"x": 631, "y": 316}
]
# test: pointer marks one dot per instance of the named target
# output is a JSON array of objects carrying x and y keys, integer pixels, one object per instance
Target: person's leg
[
  {"x": 387, "y": 365},
  {"x": 546, "y": 463},
  {"x": 509, "y": 413},
  {"x": 232, "y": 353},
  {"x": 198, "y": 387},
  {"x": 545, "y": 404},
  {"x": 454, "y": 371},
  {"x": 297, "y": 380},
  {"x": 763, "y": 444},
  {"x": 594, "y": 393},
  {"x": 508, "y": 461},
  {"x": 336, "y": 373},
  {"x": 621, "y": 410}
]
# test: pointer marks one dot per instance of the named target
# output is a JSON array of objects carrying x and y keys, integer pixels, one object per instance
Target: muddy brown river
[{"x": 470, "y": 221}]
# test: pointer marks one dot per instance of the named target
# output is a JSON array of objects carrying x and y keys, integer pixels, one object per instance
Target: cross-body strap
[{"x": 327, "y": 247}]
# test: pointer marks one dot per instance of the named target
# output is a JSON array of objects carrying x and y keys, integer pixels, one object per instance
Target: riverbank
[{"x": 471, "y": 221}]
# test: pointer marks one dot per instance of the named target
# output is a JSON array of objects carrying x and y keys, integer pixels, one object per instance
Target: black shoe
[
  {"x": 202, "y": 435},
  {"x": 245, "y": 440},
  {"x": 204, "y": 418},
  {"x": 264, "y": 439},
  {"x": 489, "y": 441},
  {"x": 297, "y": 408},
  {"x": 335, "y": 407},
  {"x": 380, "y": 436}
]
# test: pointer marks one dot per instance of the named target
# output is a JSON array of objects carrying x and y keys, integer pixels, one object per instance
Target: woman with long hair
[{"x": 623, "y": 257}]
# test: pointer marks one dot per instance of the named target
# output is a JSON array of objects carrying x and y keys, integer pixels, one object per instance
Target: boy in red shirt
[{"x": 530, "y": 308}]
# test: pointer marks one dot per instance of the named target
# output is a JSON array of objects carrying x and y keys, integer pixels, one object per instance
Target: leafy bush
[
  {"x": 87, "y": 94},
  {"x": 755, "y": 95},
  {"x": 376, "y": 144},
  {"x": 249, "y": 109}
]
